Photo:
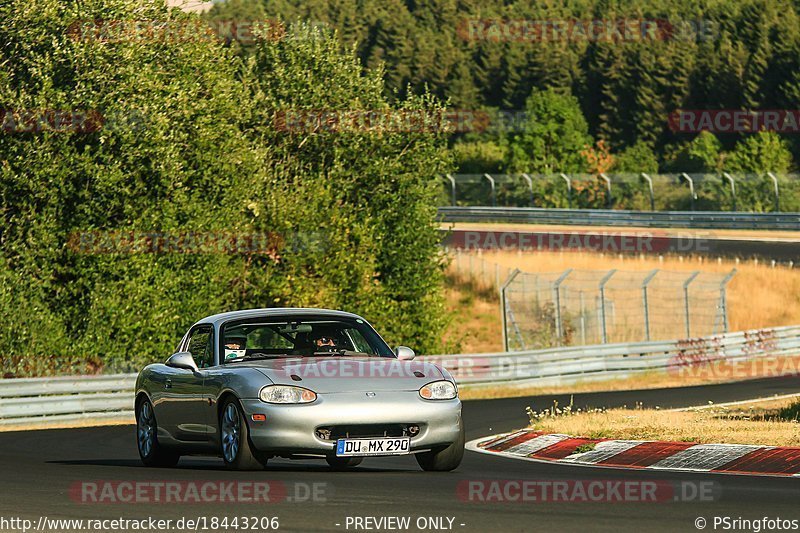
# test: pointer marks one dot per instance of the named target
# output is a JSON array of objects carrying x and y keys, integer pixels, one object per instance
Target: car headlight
[
  {"x": 438, "y": 390},
  {"x": 286, "y": 394}
]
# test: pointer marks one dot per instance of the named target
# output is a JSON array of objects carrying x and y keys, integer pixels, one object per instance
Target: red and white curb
[{"x": 532, "y": 445}]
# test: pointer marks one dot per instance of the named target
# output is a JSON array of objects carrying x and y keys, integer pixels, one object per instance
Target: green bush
[{"x": 354, "y": 212}]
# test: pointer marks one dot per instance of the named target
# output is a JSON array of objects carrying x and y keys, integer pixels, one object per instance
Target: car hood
[{"x": 345, "y": 374}]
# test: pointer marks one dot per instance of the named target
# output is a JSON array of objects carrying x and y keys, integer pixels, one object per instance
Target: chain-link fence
[
  {"x": 576, "y": 307},
  {"x": 607, "y": 306},
  {"x": 764, "y": 192}
]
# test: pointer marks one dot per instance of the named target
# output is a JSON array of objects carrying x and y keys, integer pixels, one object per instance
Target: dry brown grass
[
  {"x": 475, "y": 325},
  {"x": 758, "y": 296},
  {"x": 55, "y": 424},
  {"x": 729, "y": 233},
  {"x": 753, "y": 425}
]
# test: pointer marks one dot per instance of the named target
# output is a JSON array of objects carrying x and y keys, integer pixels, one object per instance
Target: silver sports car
[{"x": 295, "y": 383}]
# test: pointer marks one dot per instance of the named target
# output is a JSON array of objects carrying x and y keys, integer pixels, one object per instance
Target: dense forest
[{"x": 618, "y": 87}]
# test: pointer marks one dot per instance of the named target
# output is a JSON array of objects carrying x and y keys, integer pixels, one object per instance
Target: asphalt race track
[{"x": 39, "y": 467}]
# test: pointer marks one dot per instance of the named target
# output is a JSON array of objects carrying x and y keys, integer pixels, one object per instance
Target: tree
[
  {"x": 760, "y": 153},
  {"x": 551, "y": 136},
  {"x": 702, "y": 154},
  {"x": 366, "y": 187},
  {"x": 636, "y": 159},
  {"x": 352, "y": 213}
]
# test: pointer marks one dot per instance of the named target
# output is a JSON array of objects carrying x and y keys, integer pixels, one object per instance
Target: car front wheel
[
  {"x": 236, "y": 449},
  {"x": 443, "y": 460},
  {"x": 150, "y": 451}
]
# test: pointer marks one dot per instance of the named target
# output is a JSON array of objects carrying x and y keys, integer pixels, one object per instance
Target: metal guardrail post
[
  {"x": 690, "y": 181},
  {"x": 557, "y": 301},
  {"x": 610, "y": 198},
  {"x": 777, "y": 192},
  {"x": 569, "y": 189},
  {"x": 686, "y": 302},
  {"x": 646, "y": 304},
  {"x": 723, "y": 289},
  {"x": 530, "y": 187},
  {"x": 733, "y": 187},
  {"x": 603, "y": 282},
  {"x": 503, "y": 308},
  {"x": 452, "y": 189},
  {"x": 494, "y": 190},
  {"x": 650, "y": 186}
]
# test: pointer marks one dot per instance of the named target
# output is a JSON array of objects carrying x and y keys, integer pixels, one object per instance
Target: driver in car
[
  {"x": 324, "y": 342},
  {"x": 235, "y": 347}
]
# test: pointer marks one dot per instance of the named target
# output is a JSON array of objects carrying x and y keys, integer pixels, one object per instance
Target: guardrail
[
  {"x": 621, "y": 218},
  {"x": 37, "y": 401},
  {"x": 569, "y": 365},
  {"x": 66, "y": 399}
]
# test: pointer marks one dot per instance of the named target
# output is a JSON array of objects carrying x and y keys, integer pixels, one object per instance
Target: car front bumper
[{"x": 291, "y": 429}]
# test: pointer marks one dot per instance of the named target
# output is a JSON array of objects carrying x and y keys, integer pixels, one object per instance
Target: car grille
[{"x": 356, "y": 431}]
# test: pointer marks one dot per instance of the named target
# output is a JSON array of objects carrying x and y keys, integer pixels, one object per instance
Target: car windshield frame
[{"x": 371, "y": 336}]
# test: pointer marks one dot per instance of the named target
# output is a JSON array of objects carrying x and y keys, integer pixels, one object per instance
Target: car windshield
[{"x": 301, "y": 337}]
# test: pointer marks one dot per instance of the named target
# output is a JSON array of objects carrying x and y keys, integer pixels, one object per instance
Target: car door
[{"x": 184, "y": 407}]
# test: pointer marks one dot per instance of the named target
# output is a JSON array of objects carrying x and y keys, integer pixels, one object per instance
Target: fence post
[
  {"x": 494, "y": 191},
  {"x": 733, "y": 187},
  {"x": 530, "y": 187},
  {"x": 645, "y": 303},
  {"x": 690, "y": 181},
  {"x": 603, "y": 282},
  {"x": 504, "y": 306},
  {"x": 777, "y": 192},
  {"x": 452, "y": 189},
  {"x": 686, "y": 302},
  {"x": 557, "y": 301},
  {"x": 652, "y": 196},
  {"x": 610, "y": 199},
  {"x": 583, "y": 319},
  {"x": 569, "y": 189},
  {"x": 723, "y": 289}
]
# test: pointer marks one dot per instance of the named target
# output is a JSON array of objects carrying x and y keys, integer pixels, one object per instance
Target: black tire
[
  {"x": 343, "y": 463},
  {"x": 234, "y": 436},
  {"x": 443, "y": 459},
  {"x": 150, "y": 451}
]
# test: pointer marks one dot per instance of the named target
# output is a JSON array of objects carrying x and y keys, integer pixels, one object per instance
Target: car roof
[{"x": 220, "y": 318}]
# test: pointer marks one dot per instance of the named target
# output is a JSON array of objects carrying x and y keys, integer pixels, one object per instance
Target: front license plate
[{"x": 381, "y": 446}]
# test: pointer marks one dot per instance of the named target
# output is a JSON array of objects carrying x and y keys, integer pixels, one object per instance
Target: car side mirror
[
  {"x": 182, "y": 360},
  {"x": 404, "y": 353}
]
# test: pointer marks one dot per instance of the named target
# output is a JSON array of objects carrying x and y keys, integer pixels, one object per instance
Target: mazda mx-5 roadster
[{"x": 295, "y": 383}]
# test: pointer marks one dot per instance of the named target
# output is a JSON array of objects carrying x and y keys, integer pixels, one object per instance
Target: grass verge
[{"x": 770, "y": 422}]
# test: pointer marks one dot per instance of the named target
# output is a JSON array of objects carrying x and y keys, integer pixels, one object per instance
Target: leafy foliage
[{"x": 354, "y": 212}]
